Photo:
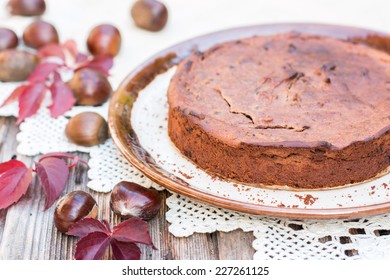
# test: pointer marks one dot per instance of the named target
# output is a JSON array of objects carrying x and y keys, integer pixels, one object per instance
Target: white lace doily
[
  {"x": 108, "y": 167},
  {"x": 275, "y": 238}
]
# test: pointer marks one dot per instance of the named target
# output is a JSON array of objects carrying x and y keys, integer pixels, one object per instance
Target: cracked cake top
[{"x": 289, "y": 89}]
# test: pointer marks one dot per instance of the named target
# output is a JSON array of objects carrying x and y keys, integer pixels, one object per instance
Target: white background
[{"x": 189, "y": 18}]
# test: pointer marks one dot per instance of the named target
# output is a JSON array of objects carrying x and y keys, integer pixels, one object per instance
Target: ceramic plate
[{"x": 138, "y": 124}]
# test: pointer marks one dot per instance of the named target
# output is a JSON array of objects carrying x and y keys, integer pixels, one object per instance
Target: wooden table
[{"x": 27, "y": 232}]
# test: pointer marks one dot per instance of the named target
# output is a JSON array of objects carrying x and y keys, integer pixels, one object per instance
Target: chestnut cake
[{"x": 288, "y": 110}]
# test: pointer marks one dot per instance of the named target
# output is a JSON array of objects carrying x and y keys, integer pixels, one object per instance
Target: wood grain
[
  {"x": 235, "y": 245},
  {"x": 27, "y": 232}
]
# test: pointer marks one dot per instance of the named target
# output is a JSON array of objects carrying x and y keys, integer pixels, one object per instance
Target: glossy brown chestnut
[
  {"x": 40, "y": 33},
  {"x": 74, "y": 207},
  {"x": 16, "y": 65},
  {"x": 90, "y": 87},
  {"x": 27, "y": 7},
  {"x": 132, "y": 200},
  {"x": 87, "y": 129},
  {"x": 104, "y": 39},
  {"x": 8, "y": 39},
  {"x": 151, "y": 15}
]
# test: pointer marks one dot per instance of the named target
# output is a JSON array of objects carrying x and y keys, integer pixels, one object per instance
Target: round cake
[{"x": 296, "y": 110}]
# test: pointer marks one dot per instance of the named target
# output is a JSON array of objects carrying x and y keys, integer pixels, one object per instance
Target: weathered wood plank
[
  {"x": 8, "y": 131},
  {"x": 157, "y": 229},
  {"x": 3, "y": 215},
  {"x": 235, "y": 245},
  {"x": 197, "y": 246}
]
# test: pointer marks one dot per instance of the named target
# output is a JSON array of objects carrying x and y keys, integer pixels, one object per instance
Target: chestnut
[
  {"x": 104, "y": 39},
  {"x": 151, "y": 15},
  {"x": 40, "y": 33},
  {"x": 87, "y": 129},
  {"x": 72, "y": 208},
  {"x": 8, "y": 39},
  {"x": 26, "y": 7},
  {"x": 16, "y": 65},
  {"x": 90, "y": 87},
  {"x": 132, "y": 200}
]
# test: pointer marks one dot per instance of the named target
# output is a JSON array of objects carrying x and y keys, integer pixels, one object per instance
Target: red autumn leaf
[
  {"x": 51, "y": 50},
  {"x": 42, "y": 72},
  {"x": 122, "y": 238},
  {"x": 15, "y": 178},
  {"x": 133, "y": 230},
  {"x": 62, "y": 97},
  {"x": 107, "y": 224},
  {"x": 92, "y": 246},
  {"x": 101, "y": 63},
  {"x": 125, "y": 250},
  {"x": 15, "y": 95},
  {"x": 81, "y": 58},
  {"x": 71, "y": 47},
  {"x": 67, "y": 53},
  {"x": 52, "y": 170},
  {"x": 30, "y": 100},
  {"x": 53, "y": 173},
  {"x": 87, "y": 226},
  {"x": 75, "y": 159},
  {"x": 71, "y": 53}
]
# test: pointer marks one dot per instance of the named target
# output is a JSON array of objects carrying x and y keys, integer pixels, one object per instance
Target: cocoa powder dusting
[
  {"x": 186, "y": 175},
  {"x": 307, "y": 199}
]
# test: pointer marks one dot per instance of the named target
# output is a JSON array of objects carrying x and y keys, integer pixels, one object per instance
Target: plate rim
[{"x": 122, "y": 100}]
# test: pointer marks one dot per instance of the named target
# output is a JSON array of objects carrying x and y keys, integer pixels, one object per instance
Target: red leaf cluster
[
  {"x": 51, "y": 169},
  {"x": 46, "y": 77},
  {"x": 15, "y": 178},
  {"x": 96, "y": 236}
]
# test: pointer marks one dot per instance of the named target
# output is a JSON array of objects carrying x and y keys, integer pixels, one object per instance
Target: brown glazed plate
[{"x": 138, "y": 126}]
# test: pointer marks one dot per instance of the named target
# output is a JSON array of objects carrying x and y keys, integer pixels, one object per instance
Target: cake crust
[{"x": 290, "y": 109}]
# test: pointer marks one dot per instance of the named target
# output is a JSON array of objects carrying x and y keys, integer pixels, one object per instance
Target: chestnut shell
[
  {"x": 151, "y": 15},
  {"x": 26, "y": 7},
  {"x": 72, "y": 208},
  {"x": 8, "y": 39},
  {"x": 87, "y": 129},
  {"x": 40, "y": 33},
  {"x": 104, "y": 39},
  {"x": 90, "y": 87},
  {"x": 16, "y": 65},
  {"x": 132, "y": 200}
]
